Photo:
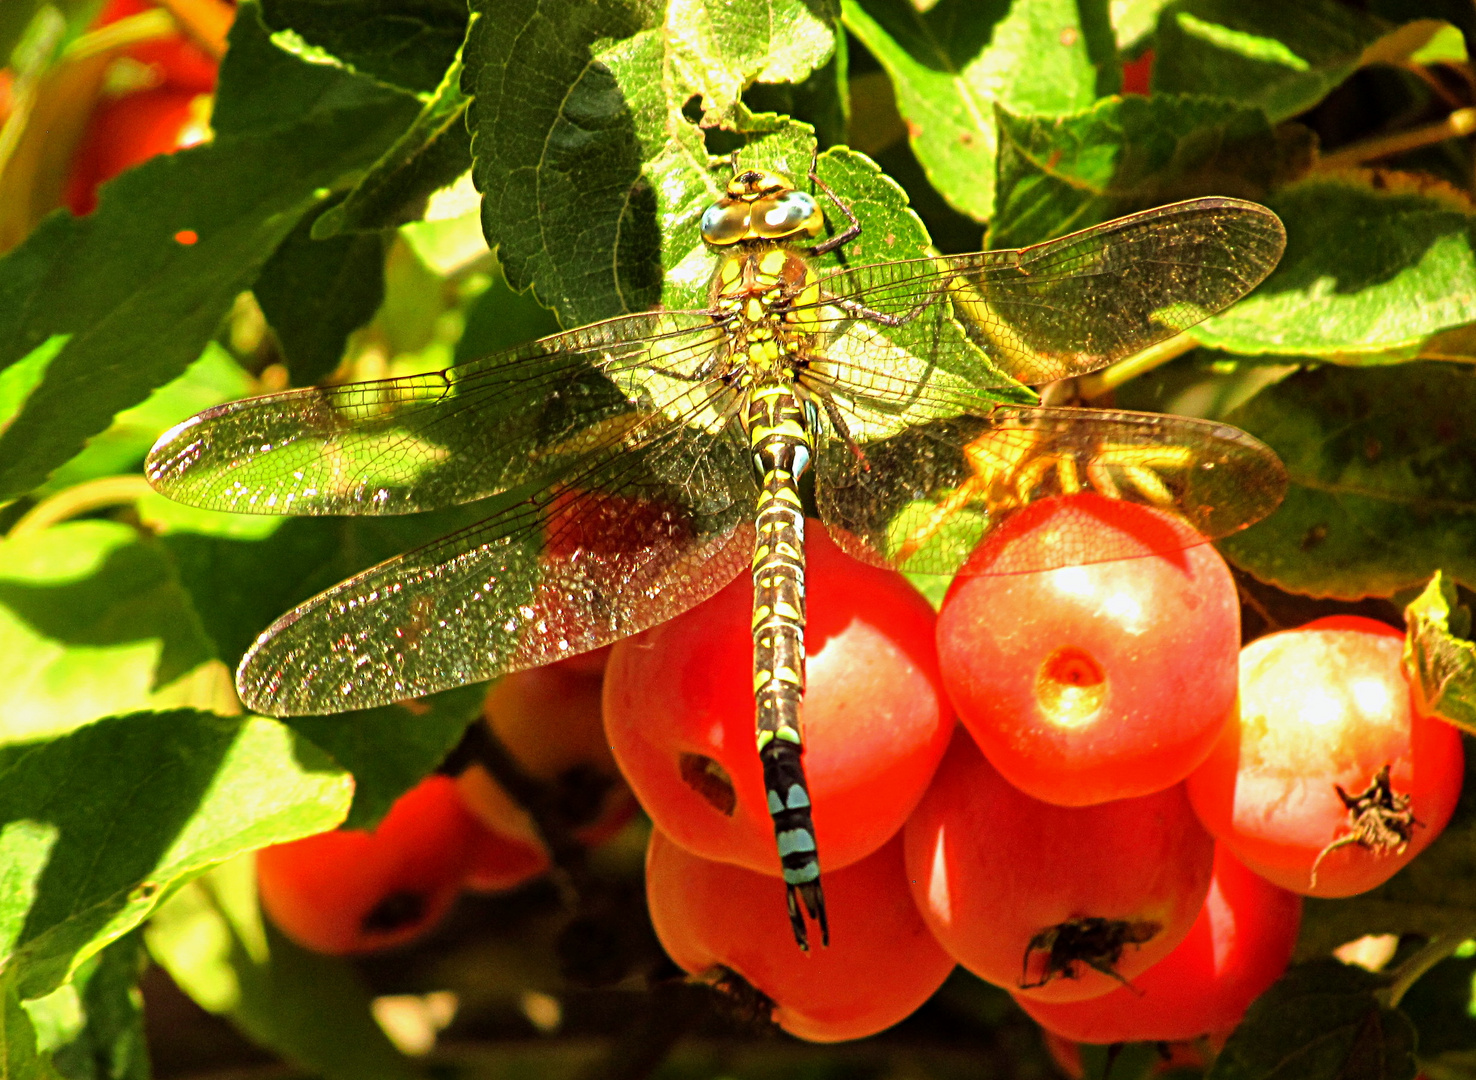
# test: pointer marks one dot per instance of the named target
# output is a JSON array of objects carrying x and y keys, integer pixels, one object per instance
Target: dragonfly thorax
[{"x": 767, "y": 300}]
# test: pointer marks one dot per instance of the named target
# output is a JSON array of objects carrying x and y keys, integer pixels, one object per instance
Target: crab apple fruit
[
  {"x": 1052, "y": 902},
  {"x": 881, "y": 963},
  {"x": 680, "y": 716},
  {"x": 351, "y": 890},
  {"x": 1330, "y": 780},
  {"x": 548, "y": 719},
  {"x": 497, "y": 862},
  {"x": 166, "y": 110},
  {"x": 1099, "y": 681},
  {"x": 1238, "y": 946}
]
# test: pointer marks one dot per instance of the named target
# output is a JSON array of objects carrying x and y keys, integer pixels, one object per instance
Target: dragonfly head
[{"x": 761, "y": 205}]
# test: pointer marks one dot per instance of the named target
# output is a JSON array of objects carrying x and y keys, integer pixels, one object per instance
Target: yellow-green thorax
[{"x": 765, "y": 292}]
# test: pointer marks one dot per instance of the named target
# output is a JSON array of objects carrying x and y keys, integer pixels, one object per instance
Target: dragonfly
[{"x": 642, "y": 463}]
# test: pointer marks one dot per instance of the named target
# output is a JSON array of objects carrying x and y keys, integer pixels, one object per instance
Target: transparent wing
[
  {"x": 922, "y": 500},
  {"x": 1057, "y": 309},
  {"x": 620, "y": 545},
  {"x": 419, "y": 442}
]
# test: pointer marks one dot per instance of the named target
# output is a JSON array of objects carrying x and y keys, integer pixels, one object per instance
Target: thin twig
[
  {"x": 1429, "y": 954},
  {"x": 1100, "y": 382},
  {"x": 1457, "y": 124},
  {"x": 82, "y": 499}
]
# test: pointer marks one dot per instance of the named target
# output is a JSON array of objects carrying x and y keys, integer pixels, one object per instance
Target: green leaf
[
  {"x": 557, "y": 155},
  {"x": 1367, "y": 270},
  {"x": 581, "y": 150},
  {"x": 1284, "y": 58},
  {"x": 1440, "y": 1005},
  {"x": 242, "y": 582},
  {"x": 1439, "y": 655},
  {"x": 1382, "y": 463},
  {"x": 95, "y": 1022},
  {"x": 392, "y": 748},
  {"x": 1321, "y": 1021},
  {"x": 951, "y": 65},
  {"x": 93, "y": 622},
  {"x": 1060, "y": 174},
  {"x": 213, "y": 378},
  {"x": 432, "y": 153},
  {"x": 312, "y": 1009},
  {"x": 1134, "y": 20},
  {"x": 138, "y": 304},
  {"x": 405, "y": 43},
  {"x": 19, "y": 1057},
  {"x": 99, "y": 825},
  {"x": 314, "y": 293}
]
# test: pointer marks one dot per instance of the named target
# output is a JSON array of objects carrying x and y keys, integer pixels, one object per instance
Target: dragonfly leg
[
  {"x": 861, "y": 311},
  {"x": 838, "y": 421},
  {"x": 852, "y": 231}
]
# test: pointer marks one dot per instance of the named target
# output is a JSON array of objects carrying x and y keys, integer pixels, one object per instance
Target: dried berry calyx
[{"x": 1380, "y": 820}]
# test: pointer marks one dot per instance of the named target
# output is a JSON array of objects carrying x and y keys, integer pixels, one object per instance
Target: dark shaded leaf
[
  {"x": 391, "y": 749},
  {"x": 1321, "y": 1021},
  {"x": 314, "y": 293},
  {"x": 19, "y": 1057},
  {"x": 93, "y": 1026},
  {"x": 406, "y": 43},
  {"x": 431, "y": 154},
  {"x": 1283, "y": 58},
  {"x": 1383, "y": 480},
  {"x": 1059, "y": 174}
]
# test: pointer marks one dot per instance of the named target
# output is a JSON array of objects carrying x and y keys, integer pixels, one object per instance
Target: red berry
[
  {"x": 128, "y": 131},
  {"x": 1324, "y": 707},
  {"x": 679, "y": 713},
  {"x": 549, "y": 721},
  {"x": 1040, "y": 899},
  {"x": 1239, "y": 945},
  {"x": 1100, "y": 681},
  {"x": 350, "y": 891},
  {"x": 497, "y": 862},
  {"x": 881, "y": 963}
]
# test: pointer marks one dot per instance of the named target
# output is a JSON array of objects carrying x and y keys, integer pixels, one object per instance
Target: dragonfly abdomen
[{"x": 779, "y": 428}]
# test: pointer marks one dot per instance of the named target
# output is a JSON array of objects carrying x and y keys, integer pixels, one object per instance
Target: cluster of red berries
[{"x": 1120, "y": 830}]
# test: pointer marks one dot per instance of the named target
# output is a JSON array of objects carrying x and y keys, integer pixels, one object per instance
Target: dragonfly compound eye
[
  {"x": 725, "y": 222},
  {"x": 787, "y": 214}
]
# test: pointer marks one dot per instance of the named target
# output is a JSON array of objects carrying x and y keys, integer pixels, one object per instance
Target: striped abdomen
[{"x": 779, "y": 437}]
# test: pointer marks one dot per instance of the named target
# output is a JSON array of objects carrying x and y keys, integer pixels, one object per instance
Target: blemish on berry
[
  {"x": 395, "y": 912},
  {"x": 1071, "y": 687},
  {"x": 710, "y": 780}
]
